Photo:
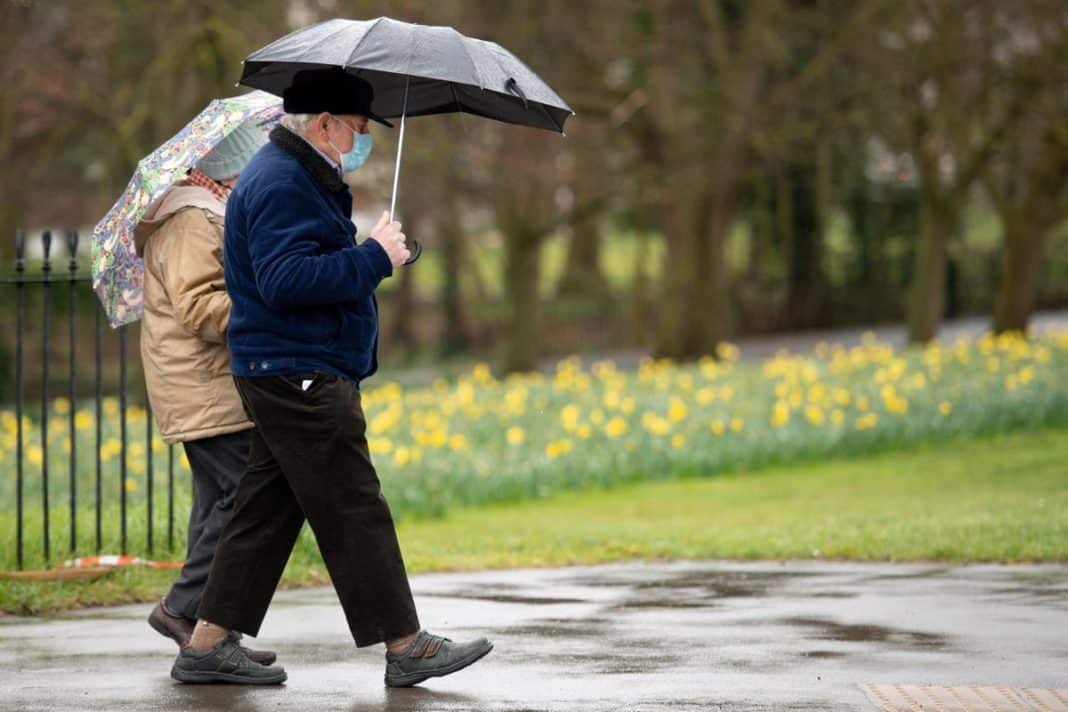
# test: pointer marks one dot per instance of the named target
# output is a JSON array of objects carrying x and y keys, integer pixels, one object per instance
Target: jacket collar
[{"x": 308, "y": 157}]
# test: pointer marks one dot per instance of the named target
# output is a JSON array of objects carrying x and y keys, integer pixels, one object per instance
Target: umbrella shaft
[{"x": 400, "y": 150}]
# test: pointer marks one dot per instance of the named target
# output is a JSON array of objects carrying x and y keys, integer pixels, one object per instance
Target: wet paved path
[{"x": 673, "y": 636}]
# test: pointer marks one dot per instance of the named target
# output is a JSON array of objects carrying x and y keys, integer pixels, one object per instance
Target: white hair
[{"x": 297, "y": 123}]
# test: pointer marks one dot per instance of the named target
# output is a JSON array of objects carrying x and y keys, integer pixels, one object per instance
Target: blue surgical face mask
[{"x": 361, "y": 149}]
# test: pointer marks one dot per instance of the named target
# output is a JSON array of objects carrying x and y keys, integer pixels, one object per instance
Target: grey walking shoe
[
  {"x": 224, "y": 663},
  {"x": 263, "y": 657},
  {"x": 180, "y": 630},
  {"x": 432, "y": 656}
]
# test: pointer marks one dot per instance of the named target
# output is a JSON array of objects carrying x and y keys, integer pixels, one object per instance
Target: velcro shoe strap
[
  {"x": 434, "y": 647},
  {"x": 421, "y": 647},
  {"x": 232, "y": 662}
]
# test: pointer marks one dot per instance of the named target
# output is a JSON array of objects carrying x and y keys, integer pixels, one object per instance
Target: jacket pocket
[{"x": 318, "y": 381}]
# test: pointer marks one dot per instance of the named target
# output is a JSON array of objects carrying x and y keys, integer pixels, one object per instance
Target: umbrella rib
[
  {"x": 478, "y": 71},
  {"x": 253, "y": 58},
  {"x": 459, "y": 106},
  {"x": 546, "y": 112},
  {"x": 369, "y": 30},
  {"x": 413, "y": 38},
  {"x": 456, "y": 99}
]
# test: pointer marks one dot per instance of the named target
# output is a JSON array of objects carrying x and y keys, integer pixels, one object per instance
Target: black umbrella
[{"x": 416, "y": 70}]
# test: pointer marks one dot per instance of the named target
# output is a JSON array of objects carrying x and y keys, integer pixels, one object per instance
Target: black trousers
[
  {"x": 217, "y": 464},
  {"x": 308, "y": 458}
]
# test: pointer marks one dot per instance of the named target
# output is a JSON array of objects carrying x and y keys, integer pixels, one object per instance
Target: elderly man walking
[{"x": 303, "y": 333}]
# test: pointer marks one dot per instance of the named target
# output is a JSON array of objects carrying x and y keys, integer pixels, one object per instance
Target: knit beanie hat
[{"x": 232, "y": 154}]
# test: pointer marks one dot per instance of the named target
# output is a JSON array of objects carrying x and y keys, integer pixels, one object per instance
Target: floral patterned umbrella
[{"x": 117, "y": 270}]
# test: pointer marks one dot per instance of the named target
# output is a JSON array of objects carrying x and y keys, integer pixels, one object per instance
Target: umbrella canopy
[
  {"x": 415, "y": 70},
  {"x": 429, "y": 70},
  {"x": 117, "y": 270}
]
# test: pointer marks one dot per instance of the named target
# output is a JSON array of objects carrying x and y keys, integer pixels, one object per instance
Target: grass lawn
[{"x": 1001, "y": 498}]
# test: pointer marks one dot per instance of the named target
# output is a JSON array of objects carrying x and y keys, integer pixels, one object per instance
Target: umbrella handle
[{"x": 417, "y": 250}]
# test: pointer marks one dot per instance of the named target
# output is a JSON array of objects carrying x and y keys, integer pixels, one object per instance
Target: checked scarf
[{"x": 197, "y": 178}]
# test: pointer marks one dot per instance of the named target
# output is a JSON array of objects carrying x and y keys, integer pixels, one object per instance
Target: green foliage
[
  {"x": 1003, "y": 498},
  {"x": 480, "y": 440}
]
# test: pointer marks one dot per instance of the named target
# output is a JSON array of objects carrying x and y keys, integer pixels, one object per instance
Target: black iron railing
[{"x": 36, "y": 279}]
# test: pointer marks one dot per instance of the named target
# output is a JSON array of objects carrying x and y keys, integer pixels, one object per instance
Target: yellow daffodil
[
  {"x": 558, "y": 448},
  {"x": 615, "y": 427},
  {"x": 780, "y": 414}
]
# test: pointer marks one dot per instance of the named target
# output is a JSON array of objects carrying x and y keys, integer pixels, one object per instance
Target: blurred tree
[
  {"x": 522, "y": 170},
  {"x": 950, "y": 93},
  {"x": 881, "y": 206},
  {"x": 109, "y": 81},
  {"x": 698, "y": 120},
  {"x": 587, "y": 176},
  {"x": 24, "y": 122},
  {"x": 1028, "y": 178},
  {"x": 524, "y": 212},
  {"x": 455, "y": 337},
  {"x": 719, "y": 75}
]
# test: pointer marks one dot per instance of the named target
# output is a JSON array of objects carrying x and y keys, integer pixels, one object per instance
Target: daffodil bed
[
  {"x": 482, "y": 440},
  {"x": 1001, "y": 497}
]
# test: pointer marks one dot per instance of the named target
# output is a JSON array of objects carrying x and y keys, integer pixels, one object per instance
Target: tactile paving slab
[{"x": 921, "y": 698}]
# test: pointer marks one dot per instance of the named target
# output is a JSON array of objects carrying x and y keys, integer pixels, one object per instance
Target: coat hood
[{"x": 177, "y": 197}]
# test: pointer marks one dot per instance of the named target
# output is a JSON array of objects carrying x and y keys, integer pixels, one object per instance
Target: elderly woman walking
[{"x": 187, "y": 363}]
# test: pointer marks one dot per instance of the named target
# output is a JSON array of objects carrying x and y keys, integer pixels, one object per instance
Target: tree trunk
[
  {"x": 713, "y": 283},
  {"x": 938, "y": 224},
  {"x": 1021, "y": 272},
  {"x": 695, "y": 311},
  {"x": 455, "y": 338},
  {"x": 401, "y": 332},
  {"x": 807, "y": 282},
  {"x": 10, "y": 182},
  {"x": 679, "y": 269},
  {"x": 762, "y": 233},
  {"x": 870, "y": 280},
  {"x": 640, "y": 316},
  {"x": 582, "y": 278},
  {"x": 522, "y": 251}
]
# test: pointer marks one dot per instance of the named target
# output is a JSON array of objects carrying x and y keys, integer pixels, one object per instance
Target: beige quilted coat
[{"x": 186, "y": 310}]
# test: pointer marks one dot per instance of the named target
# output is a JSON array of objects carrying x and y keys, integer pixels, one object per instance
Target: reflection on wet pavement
[
  {"x": 824, "y": 629},
  {"x": 660, "y": 636}
]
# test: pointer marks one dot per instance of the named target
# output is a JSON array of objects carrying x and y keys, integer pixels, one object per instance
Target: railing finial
[
  {"x": 46, "y": 243},
  {"x": 20, "y": 250},
  {"x": 72, "y": 248}
]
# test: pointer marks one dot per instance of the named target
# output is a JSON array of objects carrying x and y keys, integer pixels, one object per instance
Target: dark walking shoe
[
  {"x": 432, "y": 656},
  {"x": 180, "y": 630},
  {"x": 177, "y": 628},
  {"x": 224, "y": 663}
]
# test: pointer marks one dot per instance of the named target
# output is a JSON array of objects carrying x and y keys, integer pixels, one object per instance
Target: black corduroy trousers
[{"x": 308, "y": 459}]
